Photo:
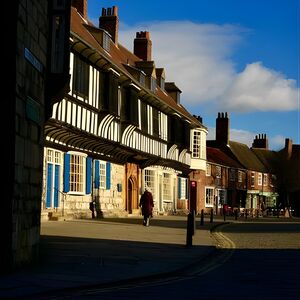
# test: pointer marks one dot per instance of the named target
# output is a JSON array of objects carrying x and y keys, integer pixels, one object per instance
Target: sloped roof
[
  {"x": 119, "y": 56},
  {"x": 269, "y": 158},
  {"x": 246, "y": 157},
  {"x": 215, "y": 155}
]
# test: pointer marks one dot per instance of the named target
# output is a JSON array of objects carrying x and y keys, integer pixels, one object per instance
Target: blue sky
[{"x": 235, "y": 56}]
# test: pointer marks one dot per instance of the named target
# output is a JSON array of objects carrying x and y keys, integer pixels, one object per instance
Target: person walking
[
  {"x": 92, "y": 209},
  {"x": 146, "y": 203}
]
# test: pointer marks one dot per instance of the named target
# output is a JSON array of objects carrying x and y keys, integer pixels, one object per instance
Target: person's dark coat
[{"x": 146, "y": 203}]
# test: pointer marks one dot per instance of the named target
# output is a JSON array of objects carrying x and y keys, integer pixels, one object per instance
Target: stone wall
[
  {"x": 111, "y": 201},
  {"x": 31, "y": 55}
]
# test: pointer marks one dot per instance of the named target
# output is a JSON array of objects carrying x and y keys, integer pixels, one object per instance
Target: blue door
[
  {"x": 49, "y": 185},
  {"x": 52, "y": 195},
  {"x": 56, "y": 185}
]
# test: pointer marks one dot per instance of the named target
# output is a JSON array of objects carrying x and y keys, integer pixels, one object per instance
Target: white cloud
[
  {"x": 197, "y": 57},
  {"x": 242, "y": 136},
  {"x": 193, "y": 55},
  {"x": 262, "y": 89},
  {"x": 276, "y": 142}
]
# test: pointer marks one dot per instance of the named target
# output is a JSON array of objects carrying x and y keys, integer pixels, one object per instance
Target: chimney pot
[
  {"x": 109, "y": 21},
  {"x": 261, "y": 141}
]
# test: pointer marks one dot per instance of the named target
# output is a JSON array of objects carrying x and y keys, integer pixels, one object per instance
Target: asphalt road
[{"x": 255, "y": 260}]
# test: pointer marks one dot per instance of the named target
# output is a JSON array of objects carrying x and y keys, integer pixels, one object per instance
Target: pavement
[
  {"x": 110, "y": 252},
  {"x": 82, "y": 254}
]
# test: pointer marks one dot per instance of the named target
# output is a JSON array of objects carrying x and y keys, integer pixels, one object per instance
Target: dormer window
[
  {"x": 173, "y": 91},
  {"x": 106, "y": 41},
  {"x": 152, "y": 84},
  {"x": 178, "y": 97},
  {"x": 162, "y": 83},
  {"x": 142, "y": 79}
]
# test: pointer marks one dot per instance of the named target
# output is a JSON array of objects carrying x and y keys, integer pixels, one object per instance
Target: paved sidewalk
[{"x": 82, "y": 253}]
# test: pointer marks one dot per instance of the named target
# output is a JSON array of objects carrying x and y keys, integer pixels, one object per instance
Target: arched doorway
[{"x": 131, "y": 203}]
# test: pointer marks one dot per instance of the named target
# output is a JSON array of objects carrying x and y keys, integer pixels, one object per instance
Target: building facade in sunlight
[{"x": 119, "y": 128}]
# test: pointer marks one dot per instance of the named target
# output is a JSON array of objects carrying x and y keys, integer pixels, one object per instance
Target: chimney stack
[
  {"x": 109, "y": 21},
  {"x": 81, "y": 6},
  {"x": 288, "y": 148},
  {"x": 142, "y": 46},
  {"x": 198, "y": 118},
  {"x": 222, "y": 129},
  {"x": 261, "y": 142}
]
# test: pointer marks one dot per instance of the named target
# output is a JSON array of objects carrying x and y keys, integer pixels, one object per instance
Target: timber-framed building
[{"x": 119, "y": 128}]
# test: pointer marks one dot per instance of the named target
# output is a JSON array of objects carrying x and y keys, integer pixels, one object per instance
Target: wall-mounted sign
[{"x": 33, "y": 60}]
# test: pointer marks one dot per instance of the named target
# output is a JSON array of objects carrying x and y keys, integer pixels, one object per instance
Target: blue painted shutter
[
  {"x": 88, "y": 177},
  {"x": 179, "y": 187},
  {"x": 97, "y": 174},
  {"x": 108, "y": 175},
  {"x": 56, "y": 185},
  {"x": 67, "y": 173},
  {"x": 49, "y": 185}
]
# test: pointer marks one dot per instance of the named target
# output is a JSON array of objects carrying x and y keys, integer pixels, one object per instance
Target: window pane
[
  {"x": 102, "y": 166},
  {"x": 196, "y": 144},
  {"x": 183, "y": 188},
  {"x": 77, "y": 173},
  {"x": 149, "y": 181},
  {"x": 218, "y": 172},
  {"x": 167, "y": 187},
  {"x": 209, "y": 197},
  {"x": 81, "y": 77}
]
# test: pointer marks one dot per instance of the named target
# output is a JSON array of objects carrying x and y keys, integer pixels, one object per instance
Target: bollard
[
  {"x": 246, "y": 213},
  {"x": 202, "y": 217},
  {"x": 190, "y": 229},
  {"x": 193, "y": 221},
  {"x": 224, "y": 213},
  {"x": 211, "y": 215}
]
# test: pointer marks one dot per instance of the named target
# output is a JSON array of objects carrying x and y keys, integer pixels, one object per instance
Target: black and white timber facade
[{"x": 119, "y": 128}]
